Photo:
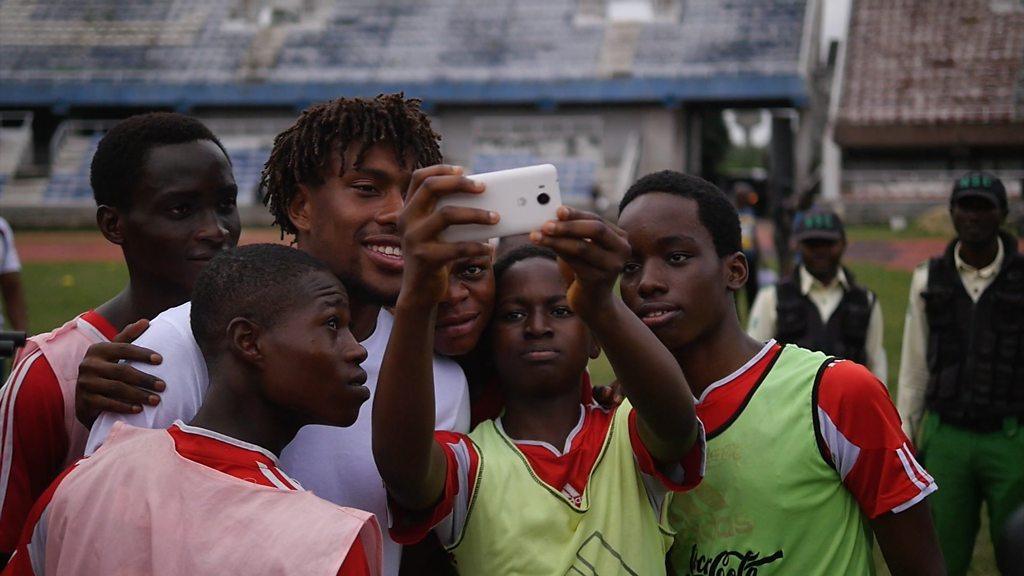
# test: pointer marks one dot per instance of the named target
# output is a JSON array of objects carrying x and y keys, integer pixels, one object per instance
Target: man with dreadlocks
[{"x": 335, "y": 181}]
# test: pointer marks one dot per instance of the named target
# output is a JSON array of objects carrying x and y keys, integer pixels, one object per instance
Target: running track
[{"x": 84, "y": 246}]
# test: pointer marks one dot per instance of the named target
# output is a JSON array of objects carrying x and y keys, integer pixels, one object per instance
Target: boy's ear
[
  {"x": 593, "y": 348},
  {"x": 110, "y": 221},
  {"x": 736, "y": 271},
  {"x": 244, "y": 340},
  {"x": 300, "y": 208}
]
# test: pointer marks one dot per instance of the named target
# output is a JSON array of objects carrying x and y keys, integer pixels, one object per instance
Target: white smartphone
[{"x": 525, "y": 198}]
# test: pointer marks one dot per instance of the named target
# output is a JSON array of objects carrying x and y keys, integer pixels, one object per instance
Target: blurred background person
[
  {"x": 10, "y": 288},
  {"x": 961, "y": 391},
  {"x": 745, "y": 198},
  {"x": 821, "y": 306}
]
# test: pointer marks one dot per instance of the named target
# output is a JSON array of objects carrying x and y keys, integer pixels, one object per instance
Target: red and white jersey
[
  {"x": 39, "y": 435},
  {"x": 567, "y": 469},
  {"x": 227, "y": 455},
  {"x": 859, "y": 427}
]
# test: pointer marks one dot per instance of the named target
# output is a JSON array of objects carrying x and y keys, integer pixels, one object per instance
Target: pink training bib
[
  {"x": 64, "y": 349},
  {"x": 138, "y": 507}
]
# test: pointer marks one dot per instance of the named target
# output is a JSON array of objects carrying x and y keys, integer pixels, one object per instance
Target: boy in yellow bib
[
  {"x": 554, "y": 485},
  {"x": 807, "y": 462}
]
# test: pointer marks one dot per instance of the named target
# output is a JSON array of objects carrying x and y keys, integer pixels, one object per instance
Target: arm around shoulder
[{"x": 182, "y": 369}]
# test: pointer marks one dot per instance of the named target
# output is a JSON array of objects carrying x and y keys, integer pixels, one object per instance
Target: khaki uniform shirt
[
  {"x": 764, "y": 316},
  {"x": 914, "y": 364}
]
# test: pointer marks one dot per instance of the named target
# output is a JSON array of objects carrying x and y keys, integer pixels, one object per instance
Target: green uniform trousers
[{"x": 970, "y": 468}]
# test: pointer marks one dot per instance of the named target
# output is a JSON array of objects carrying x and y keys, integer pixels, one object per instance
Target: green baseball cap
[
  {"x": 818, "y": 224},
  {"x": 980, "y": 184}
]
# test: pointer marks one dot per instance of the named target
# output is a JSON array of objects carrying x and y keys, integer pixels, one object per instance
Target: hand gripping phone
[{"x": 525, "y": 198}]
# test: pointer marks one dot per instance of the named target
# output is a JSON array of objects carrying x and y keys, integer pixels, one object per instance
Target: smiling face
[
  {"x": 463, "y": 315},
  {"x": 540, "y": 346},
  {"x": 350, "y": 221},
  {"x": 674, "y": 280},
  {"x": 311, "y": 361},
  {"x": 182, "y": 213},
  {"x": 977, "y": 220}
]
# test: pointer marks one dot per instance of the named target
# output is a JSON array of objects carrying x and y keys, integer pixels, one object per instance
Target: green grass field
[{"x": 58, "y": 291}]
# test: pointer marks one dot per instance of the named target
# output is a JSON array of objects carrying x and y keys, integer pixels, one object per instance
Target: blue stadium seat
[{"x": 173, "y": 41}]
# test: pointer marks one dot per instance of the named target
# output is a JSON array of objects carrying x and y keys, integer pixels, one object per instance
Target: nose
[
  {"x": 651, "y": 282},
  {"x": 457, "y": 292},
  {"x": 212, "y": 229},
  {"x": 536, "y": 326},
  {"x": 391, "y": 208},
  {"x": 355, "y": 353}
]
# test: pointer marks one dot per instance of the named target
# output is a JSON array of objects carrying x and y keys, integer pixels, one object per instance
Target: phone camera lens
[{"x": 543, "y": 198}]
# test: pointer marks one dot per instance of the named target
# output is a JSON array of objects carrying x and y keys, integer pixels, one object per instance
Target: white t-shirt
[
  {"x": 9, "y": 261},
  {"x": 335, "y": 463}
]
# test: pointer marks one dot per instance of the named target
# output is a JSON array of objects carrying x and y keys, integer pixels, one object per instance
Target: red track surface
[{"x": 91, "y": 247}]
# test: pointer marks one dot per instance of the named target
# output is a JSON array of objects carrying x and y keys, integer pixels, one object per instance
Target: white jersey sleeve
[
  {"x": 9, "y": 261},
  {"x": 182, "y": 369}
]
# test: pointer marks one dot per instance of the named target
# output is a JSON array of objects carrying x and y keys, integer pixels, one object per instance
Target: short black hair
[
  {"x": 302, "y": 152},
  {"x": 122, "y": 152},
  {"x": 257, "y": 282},
  {"x": 714, "y": 210},
  {"x": 520, "y": 253}
]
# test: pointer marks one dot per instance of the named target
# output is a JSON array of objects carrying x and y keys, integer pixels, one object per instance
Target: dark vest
[
  {"x": 845, "y": 332},
  {"x": 976, "y": 350}
]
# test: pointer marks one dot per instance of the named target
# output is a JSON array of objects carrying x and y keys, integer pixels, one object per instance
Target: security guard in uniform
[
  {"x": 961, "y": 387},
  {"x": 821, "y": 306}
]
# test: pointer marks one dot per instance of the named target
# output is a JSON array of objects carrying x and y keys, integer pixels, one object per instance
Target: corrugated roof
[{"x": 933, "y": 64}]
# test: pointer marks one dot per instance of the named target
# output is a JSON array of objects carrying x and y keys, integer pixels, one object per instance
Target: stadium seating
[
  {"x": 247, "y": 164},
  {"x": 182, "y": 41},
  {"x": 69, "y": 180}
]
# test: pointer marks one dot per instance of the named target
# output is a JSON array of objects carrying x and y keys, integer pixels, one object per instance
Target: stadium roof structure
[
  {"x": 189, "y": 53},
  {"x": 934, "y": 73}
]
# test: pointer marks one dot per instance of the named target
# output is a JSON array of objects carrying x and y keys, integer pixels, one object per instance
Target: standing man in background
[
  {"x": 821, "y": 306},
  {"x": 961, "y": 390},
  {"x": 10, "y": 287},
  {"x": 744, "y": 197}
]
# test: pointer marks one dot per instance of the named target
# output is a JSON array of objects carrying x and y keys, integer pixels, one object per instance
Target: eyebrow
[
  {"x": 675, "y": 239},
  {"x": 520, "y": 300},
  {"x": 330, "y": 297},
  {"x": 376, "y": 173},
  {"x": 187, "y": 192}
]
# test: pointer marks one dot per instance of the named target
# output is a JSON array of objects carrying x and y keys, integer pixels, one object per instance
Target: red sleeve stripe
[
  {"x": 844, "y": 453},
  {"x": 274, "y": 477},
  {"x": 917, "y": 475},
  {"x": 33, "y": 544},
  {"x": 449, "y": 530},
  {"x": 920, "y": 496},
  {"x": 10, "y": 395},
  {"x": 917, "y": 465}
]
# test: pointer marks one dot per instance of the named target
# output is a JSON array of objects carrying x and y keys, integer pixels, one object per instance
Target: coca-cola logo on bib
[{"x": 729, "y": 562}]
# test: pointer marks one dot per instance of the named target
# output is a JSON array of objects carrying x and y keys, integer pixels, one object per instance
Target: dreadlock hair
[
  {"x": 301, "y": 154},
  {"x": 714, "y": 210},
  {"x": 520, "y": 253},
  {"x": 122, "y": 152}
]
